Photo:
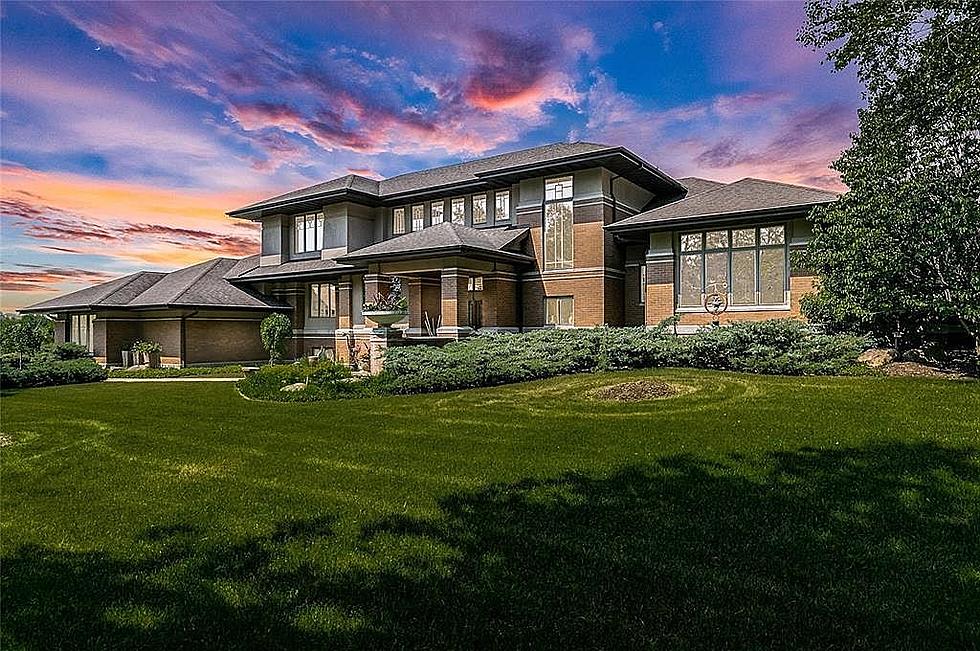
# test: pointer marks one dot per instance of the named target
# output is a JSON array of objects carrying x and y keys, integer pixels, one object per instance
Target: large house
[{"x": 563, "y": 235}]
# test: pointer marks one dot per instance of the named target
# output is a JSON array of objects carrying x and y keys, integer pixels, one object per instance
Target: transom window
[
  {"x": 459, "y": 210},
  {"x": 323, "y": 300},
  {"x": 558, "y": 224},
  {"x": 437, "y": 212},
  {"x": 398, "y": 221},
  {"x": 81, "y": 330},
  {"x": 480, "y": 209},
  {"x": 502, "y": 207},
  {"x": 559, "y": 310},
  {"x": 418, "y": 217},
  {"x": 749, "y": 264},
  {"x": 308, "y": 233}
]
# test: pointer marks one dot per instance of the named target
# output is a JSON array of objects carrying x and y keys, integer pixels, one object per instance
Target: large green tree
[
  {"x": 25, "y": 335},
  {"x": 900, "y": 251}
]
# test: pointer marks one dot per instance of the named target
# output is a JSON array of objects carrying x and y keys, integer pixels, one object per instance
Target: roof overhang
[
  {"x": 311, "y": 202},
  {"x": 297, "y": 275},
  {"x": 440, "y": 251},
  {"x": 74, "y": 309},
  {"x": 745, "y": 216}
]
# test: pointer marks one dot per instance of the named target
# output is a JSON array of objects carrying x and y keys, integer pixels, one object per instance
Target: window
[
  {"x": 558, "y": 236},
  {"x": 502, "y": 212},
  {"x": 398, "y": 221},
  {"x": 459, "y": 210},
  {"x": 418, "y": 217},
  {"x": 82, "y": 330},
  {"x": 749, "y": 264},
  {"x": 437, "y": 212},
  {"x": 643, "y": 284},
  {"x": 559, "y": 310},
  {"x": 308, "y": 233},
  {"x": 323, "y": 300},
  {"x": 480, "y": 209},
  {"x": 474, "y": 284}
]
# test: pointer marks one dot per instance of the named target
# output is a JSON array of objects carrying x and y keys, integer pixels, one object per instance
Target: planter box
[{"x": 384, "y": 318}]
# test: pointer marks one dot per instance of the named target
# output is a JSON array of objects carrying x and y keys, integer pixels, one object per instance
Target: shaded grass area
[
  {"x": 231, "y": 370},
  {"x": 744, "y": 512}
]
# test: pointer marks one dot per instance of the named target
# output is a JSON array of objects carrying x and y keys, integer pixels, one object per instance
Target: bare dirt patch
[
  {"x": 915, "y": 369},
  {"x": 634, "y": 391}
]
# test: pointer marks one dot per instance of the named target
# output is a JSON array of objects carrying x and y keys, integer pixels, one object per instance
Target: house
[{"x": 563, "y": 235}]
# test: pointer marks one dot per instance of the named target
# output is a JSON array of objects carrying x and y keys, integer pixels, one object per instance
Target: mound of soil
[
  {"x": 634, "y": 391},
  {"x": 915, "y": 369}
]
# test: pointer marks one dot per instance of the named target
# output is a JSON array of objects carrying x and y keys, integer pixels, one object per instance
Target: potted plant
[
  {"x": 147, "y": 352},
  {"x": 387, "y": 309}
]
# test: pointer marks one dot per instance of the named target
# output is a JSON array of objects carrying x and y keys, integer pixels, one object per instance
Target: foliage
[
  {"x": 24, "y": 335},
  {"x": 748, "y": 511},
  {"x": 275, "y": 330},
  {"x": 43, "y": 371},
  {"x": 779, "y": 346},
  {"x": 393, "y": 301},
  {"x": 900, "y": 251},
  {"x": 231, "y": 370},
  {"x": 325, "y": 380},
  {"x": 146, "y": 347},
  {"x": 69, "y": 350}
]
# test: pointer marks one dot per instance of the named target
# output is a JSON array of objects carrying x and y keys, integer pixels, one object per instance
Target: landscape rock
[
  {"x": 298, "y": 386},
  {"x": 878, "y": 357}
]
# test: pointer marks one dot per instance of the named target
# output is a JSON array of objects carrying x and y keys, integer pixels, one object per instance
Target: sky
[{"x": 127, "y": 130}]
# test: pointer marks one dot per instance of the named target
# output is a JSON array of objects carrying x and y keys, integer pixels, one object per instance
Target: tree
[
  {"x": 275, "y": 330},
  {"x": 25, "y": 335},
  {"x": 900, "y": 251}
]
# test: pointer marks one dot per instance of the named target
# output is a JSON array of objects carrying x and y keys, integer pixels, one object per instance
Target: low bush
[
  {"x": 232, "y": 370},
  {"x": 325, "y": 380},
  {"x": 42, "y": 372}
]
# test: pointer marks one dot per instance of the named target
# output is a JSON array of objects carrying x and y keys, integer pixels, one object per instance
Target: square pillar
[{"x": 453, "y": 304}]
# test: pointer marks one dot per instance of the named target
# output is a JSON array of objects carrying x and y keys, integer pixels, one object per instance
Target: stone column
[
  {"x": 374, "y": 284},
  {"x": 454, "y": 297},
  {"x": 341, "y": 350}
]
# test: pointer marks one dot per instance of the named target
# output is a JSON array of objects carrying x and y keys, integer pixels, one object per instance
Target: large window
[
  {"x": 398, "y": 221},
  {"x": 502, "y": 211},
  {"x": 480, "y": 209},
  {"x": 558, "y": 236},
  {"x": 749, "y": 264},
  {"x": 459, "y": 210},
  {"x": 81, "y": 330},
  {"x": 437, "y": 212},
  {"x": 308, "y": 233},
  {"x": 559, "y": 310},
  {"x": 418, "y": 217},
  {"x": 323, "y": 300}
]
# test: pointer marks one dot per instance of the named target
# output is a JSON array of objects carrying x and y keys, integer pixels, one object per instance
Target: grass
[
  {"x": 747, "y": 511},
  {"x": 232, "y": 370}
]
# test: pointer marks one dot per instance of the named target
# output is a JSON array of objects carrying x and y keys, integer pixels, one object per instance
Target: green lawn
[{"x": 746, "y": 512}]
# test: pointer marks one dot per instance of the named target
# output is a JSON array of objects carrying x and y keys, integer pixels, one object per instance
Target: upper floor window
[
  {"x": 323, "y": 300},
  {"x": 480, "y": 209},
  {"x": 437, "y": 212},
  {"x": 459, "y": 210},
  {"x": 474, "y": 284},
  {"x": 308, "y": 233},
  {"x": 748, "y": 264},
  {"x": 558, "y": 189},
  {"x": 418, "y": 217},
  {"x": 502, "y": 212},
  {"x": 398, "y": 221},
  {"x": 558, "y": 224}
]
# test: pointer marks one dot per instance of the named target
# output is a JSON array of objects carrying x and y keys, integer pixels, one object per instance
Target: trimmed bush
[
  {"x": 232, "y": 370},
  {"x": 324, "y": 380},
  {"x": 43, "y": 372}
]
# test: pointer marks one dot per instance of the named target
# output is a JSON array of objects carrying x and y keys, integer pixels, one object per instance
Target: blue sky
[{"x": 128, "y": 129}]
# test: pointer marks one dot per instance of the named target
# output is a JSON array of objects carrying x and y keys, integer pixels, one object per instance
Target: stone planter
[{"x": 385, "y": 319}]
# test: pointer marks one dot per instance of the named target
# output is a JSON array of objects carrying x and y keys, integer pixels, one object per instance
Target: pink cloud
[{"x": 41, "y": 278}]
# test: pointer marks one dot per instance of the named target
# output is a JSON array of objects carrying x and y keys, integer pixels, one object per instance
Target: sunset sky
[{"x": 128, "y": 129}]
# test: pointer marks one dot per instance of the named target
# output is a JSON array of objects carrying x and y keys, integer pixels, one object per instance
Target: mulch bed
[
  {"x": 634, "y": 391},
  {"x": 914, "y": 369}
]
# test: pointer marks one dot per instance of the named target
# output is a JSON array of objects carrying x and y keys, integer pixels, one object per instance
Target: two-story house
[{"x": 564, "y": 235}]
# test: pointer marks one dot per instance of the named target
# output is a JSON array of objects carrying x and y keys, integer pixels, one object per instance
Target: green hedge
[
  {"x": 232, "y": 370},
  {"x": 46, "y": 370},
  {"x": 783, "y": 347},
  {"x": 324, "y": 381}
]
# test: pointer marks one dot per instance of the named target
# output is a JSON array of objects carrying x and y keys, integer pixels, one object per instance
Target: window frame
[
  {"x": 301, "y": 235},
  {"x": 567, "y": 259},
  {"x": 395, "y": 213},
  {"x": 558, "y": 301},
  {"x": 418, "y": 216},
  {"x": 331, "y": 311},
  {"x": 441, "y": 204},
  {"x": 74, "y": 330},
  {"x": 457, "y": 201},
  {"x": 642, "y": 293},
  {"x": 473, "y": 213},
  {"x": 756, "y": 248},
  {"x": 497, "y": 215}
]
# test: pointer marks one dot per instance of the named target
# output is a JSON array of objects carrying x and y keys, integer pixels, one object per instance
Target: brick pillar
[
  {"x": 344, "y": 306},
  {"x": 660, "y": 291},
  {"x": 413, "y": 289},
  {"x": 454, "y": 296},
  {"x": 374, "y": 284}
]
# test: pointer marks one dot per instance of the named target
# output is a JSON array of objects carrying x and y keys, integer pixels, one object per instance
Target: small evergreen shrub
[
  {"x": 325, "y": 380},
  {"x": 43, "y": 372}
]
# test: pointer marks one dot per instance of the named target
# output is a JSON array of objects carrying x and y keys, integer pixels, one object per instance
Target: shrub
[
  {"x": 231, "y": 370},
  {"x": 24, "y": 335},
  {"x": 69, "y": 350},
  {"x": 275, "y": 330},
  {"x": 324, "y": 380},
  {"x": 47, "y": 372}
]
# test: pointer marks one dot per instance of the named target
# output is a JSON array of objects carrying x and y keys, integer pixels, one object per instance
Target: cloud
[{"x": 40, "y": 278}]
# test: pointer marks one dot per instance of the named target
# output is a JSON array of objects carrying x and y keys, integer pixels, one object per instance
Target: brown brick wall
[
  {"x": 660, "y": 291},
  {"x": 588, "y": 291},
  {"x": 211, "y": 341},
  {"x": 633, "y": 311},
  {"x": 167, "y": 334},
  {"x": 119, "y": 336}
]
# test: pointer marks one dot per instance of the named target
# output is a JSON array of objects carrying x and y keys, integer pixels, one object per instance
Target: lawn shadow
[{"x": 859, "y": 548}]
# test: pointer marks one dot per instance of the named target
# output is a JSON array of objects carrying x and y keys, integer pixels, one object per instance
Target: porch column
[
  {"x": 414, "y": 286},
  {"x": 344, "y": 305},
  {"x": 453, "y": 301},
  {"x": 374, "y": 284}
]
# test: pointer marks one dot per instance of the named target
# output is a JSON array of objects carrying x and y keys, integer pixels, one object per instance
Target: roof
[
  {"x": 745, "y": 198},
  {"x": 447, "y": 238},
  {"x": 696, "y": 185},
  {"x": 500, "y": 169},
  {"x": 248, "y": 269},
  {"x": 203, "y": 285}
]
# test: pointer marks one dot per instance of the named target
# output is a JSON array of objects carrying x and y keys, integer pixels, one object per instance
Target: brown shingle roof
[
  {"x": 288, "y": 269},
  {"x": 745, "y": 197},
  {"x": 445, "y": 237}
]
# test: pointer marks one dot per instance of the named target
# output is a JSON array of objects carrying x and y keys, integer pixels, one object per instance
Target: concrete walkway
[{"x": 173, "y": 379}]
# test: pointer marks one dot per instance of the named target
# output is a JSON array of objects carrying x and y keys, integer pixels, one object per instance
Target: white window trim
[
  {"x": 331, "y": 300},
  {"x": 442, "y": 217},
  {"x": 496, "y": 206},
  {"x": 461, "y": 201},
  {"x": 395, "y": 219},
  {"x": 473, "y": 200},
  {"x": 420, "y": 218},
  {"x": 565, "y": 262},
  {"x": 557, "y": 300}
]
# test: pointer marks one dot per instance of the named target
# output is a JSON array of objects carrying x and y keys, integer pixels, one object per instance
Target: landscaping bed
[{"x": 231, "y": 370}]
